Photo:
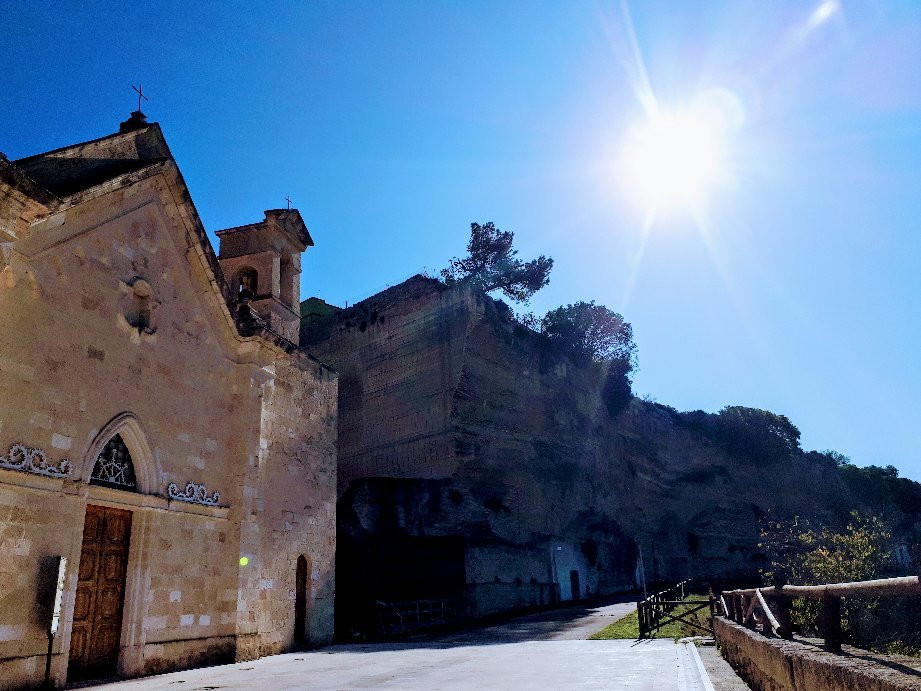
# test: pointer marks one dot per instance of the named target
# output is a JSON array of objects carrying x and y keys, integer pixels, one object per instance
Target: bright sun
[{"x": 675, "y": 159}]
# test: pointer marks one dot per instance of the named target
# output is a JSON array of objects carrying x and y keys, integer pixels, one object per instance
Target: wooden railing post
[
  {"x": 782, "y": 607},
  {"x": 831, "y": 623},
  {"x": 748, "y": 616}
]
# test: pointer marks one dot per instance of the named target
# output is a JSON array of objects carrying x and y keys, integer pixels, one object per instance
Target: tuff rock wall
[{"x": 455, "y": 421}]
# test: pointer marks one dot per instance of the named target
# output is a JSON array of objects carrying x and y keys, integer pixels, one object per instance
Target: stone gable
[{"x": 118, "y": 321}]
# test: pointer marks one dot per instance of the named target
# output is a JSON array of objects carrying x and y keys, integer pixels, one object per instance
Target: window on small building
[{"x": 114, "y": 467}]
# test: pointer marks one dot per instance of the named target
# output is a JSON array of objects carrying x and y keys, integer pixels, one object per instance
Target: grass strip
[{"x": 628, "y": 627}]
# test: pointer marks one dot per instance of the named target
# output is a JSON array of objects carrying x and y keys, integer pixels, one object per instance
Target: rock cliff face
[{"x": 476, "y": 464}]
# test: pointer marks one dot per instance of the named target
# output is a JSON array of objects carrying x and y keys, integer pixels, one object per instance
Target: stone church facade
[{"x": 160, "y": 428}]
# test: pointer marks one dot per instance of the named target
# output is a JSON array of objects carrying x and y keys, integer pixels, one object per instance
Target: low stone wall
[
  {"x": 484, "y": 599},
  {"x": 773, "y": 664}
]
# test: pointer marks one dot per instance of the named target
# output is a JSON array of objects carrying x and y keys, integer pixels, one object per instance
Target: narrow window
[{"x": 287, "y": 279}]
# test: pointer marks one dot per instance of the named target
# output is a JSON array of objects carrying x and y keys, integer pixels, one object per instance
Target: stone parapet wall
[
  {"x": 489, "y": 598},
  {"x": 773, "y": 664}
]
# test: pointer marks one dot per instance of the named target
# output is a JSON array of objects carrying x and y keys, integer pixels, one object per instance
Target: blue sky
[{"x": 393, "y": 125}]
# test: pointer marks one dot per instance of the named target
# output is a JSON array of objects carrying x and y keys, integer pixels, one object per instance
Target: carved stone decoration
[
  {"x": 193, "y": 494},
  {"x": 34, "y": 461}
]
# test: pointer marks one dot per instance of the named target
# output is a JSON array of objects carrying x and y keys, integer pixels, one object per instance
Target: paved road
[
  {"x": 569, "y": 624},
  {"x": 542, "y": 651}
]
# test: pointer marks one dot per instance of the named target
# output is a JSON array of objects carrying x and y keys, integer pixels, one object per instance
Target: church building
[{"x": 167, "y": 451}]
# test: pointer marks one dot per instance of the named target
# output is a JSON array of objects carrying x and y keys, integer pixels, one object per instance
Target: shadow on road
[{"x": 569, "y": 623}]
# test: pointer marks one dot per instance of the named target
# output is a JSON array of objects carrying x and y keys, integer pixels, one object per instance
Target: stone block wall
[
  {"x": 484, "y": 599},
  {"x": 773, "y": 664},
  {"x": 298, "y": 501},
  {"x": 30, "y": 533},
  {"x": 189, "y": 585},
  {"x": 70, "y": 362},
  {"x": 188, "y": 395}
]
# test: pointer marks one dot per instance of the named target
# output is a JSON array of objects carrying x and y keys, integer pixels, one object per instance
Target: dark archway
[
  {"x": 302, "y": 602},
  {"x": 247, "y": 282}
]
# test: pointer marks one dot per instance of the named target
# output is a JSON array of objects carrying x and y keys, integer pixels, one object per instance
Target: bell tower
[{"x": 262, "y": 264}]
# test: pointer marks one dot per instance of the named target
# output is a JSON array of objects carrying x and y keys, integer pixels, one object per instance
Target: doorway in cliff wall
[
  {"x": 302, "y": 602},
  {"x": 574, "y": 587}
]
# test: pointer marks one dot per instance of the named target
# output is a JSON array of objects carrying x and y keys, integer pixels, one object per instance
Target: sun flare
[{"x": 675, "y": 158}]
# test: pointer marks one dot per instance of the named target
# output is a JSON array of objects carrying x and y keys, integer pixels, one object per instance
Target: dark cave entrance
[{"x": 388, "y": 585}]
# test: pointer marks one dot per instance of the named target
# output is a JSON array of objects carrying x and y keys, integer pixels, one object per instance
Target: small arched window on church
[
  {"x": 247, "y": 283},
  {"x": 114, "y": 467}
]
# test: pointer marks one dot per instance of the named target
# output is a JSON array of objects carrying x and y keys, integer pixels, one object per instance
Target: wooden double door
[{"x": 97, "y": 623}]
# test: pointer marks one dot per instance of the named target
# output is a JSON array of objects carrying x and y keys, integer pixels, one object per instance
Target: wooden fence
[
  {"x": 658, "y": 609},
  {"x": 769, "y": 608}
]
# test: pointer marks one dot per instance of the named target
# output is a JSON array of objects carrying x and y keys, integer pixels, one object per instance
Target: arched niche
[
  {"x": 127, "y": 427},
  {"x": 247, "y": 280}
]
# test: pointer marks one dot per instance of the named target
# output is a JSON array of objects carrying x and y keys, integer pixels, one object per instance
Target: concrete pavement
[
  {"x": 540, "y": 651},
  {"x": 650, "y": 665}
]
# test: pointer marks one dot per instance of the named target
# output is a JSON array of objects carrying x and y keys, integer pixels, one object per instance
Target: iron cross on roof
[
  {"x": 288, "y": 199},
  {"x": 140, "y": 89}
]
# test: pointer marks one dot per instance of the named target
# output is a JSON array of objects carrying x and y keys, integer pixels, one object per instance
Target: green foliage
[
  {"x": 896, "y": 499},
  {"x": 801, "y": 554},
  {"x": 590, "y": 332},
  {"x": 831, "y": 457},
  {"x": 805, "y": 555},
  {"x": 617, "y": 392},
  {"x": 491, "y": 264},
  {"x": 758, "y": 434}
]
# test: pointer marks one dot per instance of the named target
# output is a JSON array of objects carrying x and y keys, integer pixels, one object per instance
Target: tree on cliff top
[
  {"x": 591, "y": 332},
  {"x": 758, "y": 434},
  {"x": 491, "y": 264},
  {"x": 587, "y": 331}
]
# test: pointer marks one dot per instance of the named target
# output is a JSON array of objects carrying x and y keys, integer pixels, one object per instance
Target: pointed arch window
[{"x": 114, "y": 467}]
